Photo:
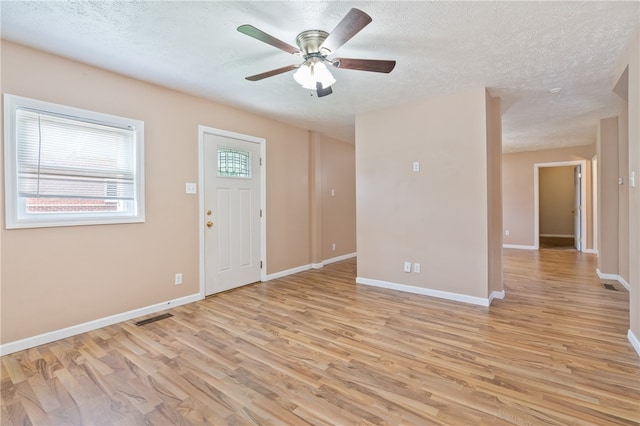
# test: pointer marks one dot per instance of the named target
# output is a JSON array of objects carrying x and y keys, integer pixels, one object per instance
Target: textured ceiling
[{"x": 519, "y": 50}]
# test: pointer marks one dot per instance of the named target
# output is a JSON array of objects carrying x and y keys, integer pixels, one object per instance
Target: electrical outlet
[
  {"x": 507, "y": 232},
  {"x": 178, "y": 280},
  {"x": 416, "y": 268},
  {"x": 333, "y": 246},
  {"x": 407, "y": 266}
]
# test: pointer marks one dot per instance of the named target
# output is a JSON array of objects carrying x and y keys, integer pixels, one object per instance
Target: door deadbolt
[{"x": 208, "y": 212}]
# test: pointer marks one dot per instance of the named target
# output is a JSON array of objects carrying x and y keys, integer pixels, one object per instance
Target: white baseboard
[
  {"x": 558, "y": 235},
  {"x": 624, "y": 283},
  {"x": 604, "y": 276},
  {"x": 590, "y": 251},
  {"x": 310, "y": 266},
  {"x": 289, "y": 272},
  {"x": 424, "y": 291},
  {"x": 496, "y": 295},
  {"x": 614, "y": 277},
  {"x": 339, "y": 258},
  {"x": 519, "y": 247},
  {"x": 51, "y": 336},
  {"x": 634, "y": 341}
]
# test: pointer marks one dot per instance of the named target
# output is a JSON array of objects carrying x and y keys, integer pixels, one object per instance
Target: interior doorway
[{"x": 560, "y": 205}]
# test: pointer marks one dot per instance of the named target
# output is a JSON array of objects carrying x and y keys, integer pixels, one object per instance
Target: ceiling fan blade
[
  {"x": 252, "y": 31},
  {"x": 271, "y": 73},
  {"x": 354, "y": 21},
  {"x": 373, "y": 65},
  {"x": 323, "y": 92}
]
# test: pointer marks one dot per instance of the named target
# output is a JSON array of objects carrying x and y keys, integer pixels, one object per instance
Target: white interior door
[
  {"x": 232, "y": 212},
  {"x": 577, "y": 207}
]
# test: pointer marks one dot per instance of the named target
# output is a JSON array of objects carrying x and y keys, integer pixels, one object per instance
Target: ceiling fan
[{"x": 314, "y": 46}]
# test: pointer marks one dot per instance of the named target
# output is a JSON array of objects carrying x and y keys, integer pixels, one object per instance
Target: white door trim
[
  {"x": 583, "y": 196},
  {"x": 202, "y": 130},
  {"x": 594, "y": 202}
]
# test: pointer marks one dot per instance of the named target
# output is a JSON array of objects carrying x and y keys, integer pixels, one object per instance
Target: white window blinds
[
  {"x": 61, "y": 157},
  {"x": 66, "y": 166}
]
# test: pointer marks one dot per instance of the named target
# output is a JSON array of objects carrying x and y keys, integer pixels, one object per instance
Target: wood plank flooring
[
  {"x": 315, "y": 348},
  {"x": 557, "y": 243}
]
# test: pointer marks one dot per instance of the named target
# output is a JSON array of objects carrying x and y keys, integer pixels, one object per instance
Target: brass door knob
[{"x": 209, "y": 224}]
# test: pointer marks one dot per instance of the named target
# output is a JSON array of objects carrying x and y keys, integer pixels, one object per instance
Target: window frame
[{"x": 15, "y": 218}]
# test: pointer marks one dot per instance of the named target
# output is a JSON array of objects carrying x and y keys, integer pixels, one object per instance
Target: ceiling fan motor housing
[{"x": 310, "y": 41}]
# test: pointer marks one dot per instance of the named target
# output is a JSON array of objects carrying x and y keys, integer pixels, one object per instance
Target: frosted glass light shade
[
  {"x": 304, "y": 77},
  {"x": 323, "y": 75},
  {"x": 311, "y": 72}
]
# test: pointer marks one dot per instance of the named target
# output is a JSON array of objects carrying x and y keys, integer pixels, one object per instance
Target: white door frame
[
  {"x": 594, "y": 202},
  {"x": 202, "y": 130},
  {"x": 583, "y": 196}
]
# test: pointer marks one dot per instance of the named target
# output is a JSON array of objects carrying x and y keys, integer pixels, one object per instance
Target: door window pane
[{"x": 234, "y": 163}]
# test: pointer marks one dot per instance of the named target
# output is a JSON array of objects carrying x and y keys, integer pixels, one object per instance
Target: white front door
[{"x": 232, "y": 212}]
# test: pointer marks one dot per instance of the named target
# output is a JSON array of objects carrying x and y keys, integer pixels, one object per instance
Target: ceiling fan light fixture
[
  {"x": 323, "y": 75},
  {"x": 315, "y": 46},
  {"x": 304, "y": 77},
  {"x": 313, "y": 71}
]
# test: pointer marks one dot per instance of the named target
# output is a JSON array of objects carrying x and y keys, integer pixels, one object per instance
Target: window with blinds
[{"x": 66, "y": 166}]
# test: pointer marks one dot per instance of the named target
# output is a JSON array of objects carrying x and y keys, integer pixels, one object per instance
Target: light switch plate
[{"x": 190, "y": 188}]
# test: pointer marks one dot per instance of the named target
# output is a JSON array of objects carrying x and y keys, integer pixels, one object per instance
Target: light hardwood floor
[{"x": 315, "y": 348}]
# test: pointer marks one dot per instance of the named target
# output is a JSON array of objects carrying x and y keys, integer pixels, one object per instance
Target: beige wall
[
  {"x": 59, "y": 277},
  {"x": 494, "y": 188},
  {"x": 607, "y": 147},
  {"x": 518, "y": 190},
  {"x": 333, "y": 217},
  {"x": 626, "y": 83},
  {"x": 632, "y": 60},
  {"x": 623, "y": 195},
  {"x": 438, "y": 216},
  {"x": 338, "y": 210},
  {"x": 315, "y": 197},
  {"x": 288, "y": 226},
  {"x": 557, "y": 197}
]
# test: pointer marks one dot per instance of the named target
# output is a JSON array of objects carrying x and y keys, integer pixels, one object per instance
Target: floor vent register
[{"x": 153, "y": 319}]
